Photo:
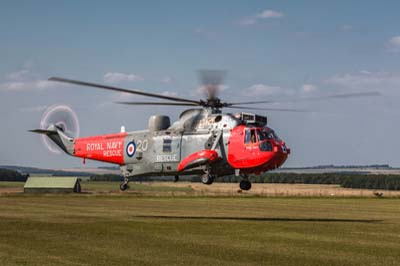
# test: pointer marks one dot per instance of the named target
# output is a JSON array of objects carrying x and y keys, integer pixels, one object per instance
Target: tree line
[
  {"x": 12, "y": 175},
  {"x": 346, "y": 180}
]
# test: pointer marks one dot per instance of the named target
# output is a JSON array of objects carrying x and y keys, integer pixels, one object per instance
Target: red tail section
[{"x": 106, "y": 148}]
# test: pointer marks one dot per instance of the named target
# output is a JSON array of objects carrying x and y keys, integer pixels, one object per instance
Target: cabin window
[
  {"x": 167, "y": 145},
  {"x": 250, "y": 136},
  {"x": 247, "y": 136},
  {"x": 253, "y": 136}
]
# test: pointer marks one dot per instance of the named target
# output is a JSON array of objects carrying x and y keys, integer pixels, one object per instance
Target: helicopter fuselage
[{"x": 199, "y": 142}]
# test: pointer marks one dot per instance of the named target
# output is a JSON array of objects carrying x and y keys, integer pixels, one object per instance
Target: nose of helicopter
[{"x": 280, "y": 154}]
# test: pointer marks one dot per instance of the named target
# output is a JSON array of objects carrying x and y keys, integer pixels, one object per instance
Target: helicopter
[{"x": 204, "y": 141}]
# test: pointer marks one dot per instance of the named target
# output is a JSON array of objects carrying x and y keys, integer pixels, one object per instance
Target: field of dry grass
[
  {"x": 270, "y": 190},
  {"x": 126, "y": 229}
]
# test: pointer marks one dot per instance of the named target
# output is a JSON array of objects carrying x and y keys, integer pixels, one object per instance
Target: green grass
[
  {"x": 114, "y": 186},
  {"x": 129, "y": 230},
  {"x": 99, "y": 186},
  {"x": 5, "y": 184}
]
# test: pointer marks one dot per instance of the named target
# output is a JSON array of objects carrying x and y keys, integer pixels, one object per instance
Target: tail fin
[
  {"x": 58, "y": 137},
  {"x": 43, "y": 131}
]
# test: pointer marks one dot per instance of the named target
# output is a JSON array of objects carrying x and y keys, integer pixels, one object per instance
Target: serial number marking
[
  {"x": 204, "y": 123},
  {"x": 142, "y": 145}
]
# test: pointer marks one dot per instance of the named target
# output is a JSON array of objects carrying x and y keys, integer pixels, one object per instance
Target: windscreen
[{"x": 267, "y": 133}]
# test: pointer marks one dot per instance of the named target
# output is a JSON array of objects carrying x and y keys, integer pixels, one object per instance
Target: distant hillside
[{"x": 332, "y": 166}]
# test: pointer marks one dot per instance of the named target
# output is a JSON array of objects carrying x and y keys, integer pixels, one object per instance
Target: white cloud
[
  {"x": 167, "y": 80},
  {"x": 114, "y": 77},
  {"x": 169, "y": 93},
  {"x": 247, "y": 21},
  {"x": 18, "y": 75},
  {"x": 39, "y": 108},
  {"x": 385, "y": 83},
  {"x": 24, "y": 80},
  {"x": 263, "y": 90},
  {"x": 208, "y": 34},
  {"x": 366, "y": 79},
  {"x": 365, "y": 72},
  {"x": 266, "y": 14},
  {"x": 393, "y": 45},
  {"x": 347, "y": 28},
  {"x": 395, "y": 40},
  {"x": 269, "y": 13},
  {"x": 308, "y": 88}
]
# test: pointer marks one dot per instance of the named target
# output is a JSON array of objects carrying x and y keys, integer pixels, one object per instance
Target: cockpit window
[
  {"x": 275, "y": 136},
  {"x": 265, "y": 146},
  {"x": 262, "y": 135}
]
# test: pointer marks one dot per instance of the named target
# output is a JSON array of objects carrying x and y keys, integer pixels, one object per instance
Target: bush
[{"x": 12, "y": 175}]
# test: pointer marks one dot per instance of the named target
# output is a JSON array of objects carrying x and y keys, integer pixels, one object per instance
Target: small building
[{"x": 52, "y": 185}]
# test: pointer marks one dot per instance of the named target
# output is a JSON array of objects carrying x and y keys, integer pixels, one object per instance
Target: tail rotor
[{"x": 59, "y": 117}]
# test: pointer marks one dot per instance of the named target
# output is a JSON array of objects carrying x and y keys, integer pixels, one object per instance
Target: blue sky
[{"x": 271, "y": 50}]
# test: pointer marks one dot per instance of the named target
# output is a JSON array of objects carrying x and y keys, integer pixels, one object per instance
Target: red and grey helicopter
[{"x": 204, "y": 141}]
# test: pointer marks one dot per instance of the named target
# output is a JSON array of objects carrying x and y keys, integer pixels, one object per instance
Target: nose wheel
[{"x": 245, "y": 184}]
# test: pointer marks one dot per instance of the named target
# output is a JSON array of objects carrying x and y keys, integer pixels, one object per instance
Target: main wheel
[
  {"x": 207, "y": 179},
  {"x": 245, "y": 185},
  {"x": 123, "y": 186}
]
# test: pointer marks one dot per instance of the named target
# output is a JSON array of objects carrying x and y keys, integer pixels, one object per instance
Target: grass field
[
  {"x": 125, "y": 229},
  {"x": 216, "y": 189}
]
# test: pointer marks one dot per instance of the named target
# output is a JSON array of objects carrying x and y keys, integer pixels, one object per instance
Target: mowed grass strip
[
  {"x": 96, "y": 186},
  {"x": 6, "y": 184},
  {"x": 129, "y": 230}
]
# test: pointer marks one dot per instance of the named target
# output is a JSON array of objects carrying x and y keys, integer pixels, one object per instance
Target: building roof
[{"x": 51, "y": 182}]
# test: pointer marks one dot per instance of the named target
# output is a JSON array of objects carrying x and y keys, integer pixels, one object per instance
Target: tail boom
[{"x": 106, "y": 148}]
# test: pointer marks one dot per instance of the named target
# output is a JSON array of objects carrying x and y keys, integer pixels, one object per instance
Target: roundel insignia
[{"x": 131, "y": 149}]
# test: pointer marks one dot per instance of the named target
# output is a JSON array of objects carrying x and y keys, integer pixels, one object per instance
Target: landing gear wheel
[
  {"x": 176, "y": 179},
  {"x": 123, "y": 186},
  {"x": 207, "y": 179},
  {"x": 245, "y": 185}
]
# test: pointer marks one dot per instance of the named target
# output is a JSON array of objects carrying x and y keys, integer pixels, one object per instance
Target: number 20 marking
[{"x": 142, "y": 145}]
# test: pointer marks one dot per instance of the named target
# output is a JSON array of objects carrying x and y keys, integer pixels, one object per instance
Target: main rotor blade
[
  {"x": 350, "y": 95},
  {"x": 304, "y": 99},
  {"x": 271, "y": 109},
  {"x": 254, "y": 102},
  {"x": 105, "y": 87},
  {"x": 158, "y": 103},
  {"x": 317, "y": 98}
]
